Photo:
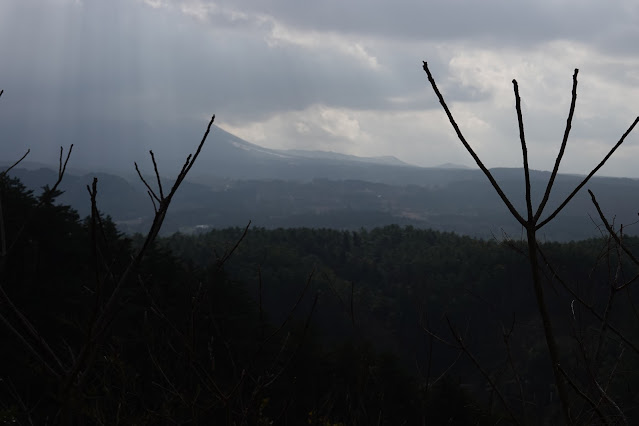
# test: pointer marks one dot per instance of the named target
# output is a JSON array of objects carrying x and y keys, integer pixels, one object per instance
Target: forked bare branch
[
  {"x": 524, "y": 150},
  {"x": 220, "y": 262},
  {"x": 481, "y": 369},
  {"x": 532, "y": 224},
  {"x": 5, "y": 172},
  {"x": 292, "y": 310},
  {"x": 587, "y": 178},
  {"x": 470, "y": 150},
  {"x": 3, "y": 238},
  {"x": 26, "y": 330},
  {"x": 555, "y": 169},
  {"x": 583, "y": 395},
  {"x": 157, "y": 174},
  {"x": 611, "y": 231},
  {"x": 150, "y": 190},
  {"x": 97, "y": 332},
  {"x": 589, "y": 307}
]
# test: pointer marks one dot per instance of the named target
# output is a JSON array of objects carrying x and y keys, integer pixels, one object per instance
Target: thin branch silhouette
[
  {"x": 532, "y": 224},
  {"x": 483, "y": 168},
  {"x": 555, "y": 169}
]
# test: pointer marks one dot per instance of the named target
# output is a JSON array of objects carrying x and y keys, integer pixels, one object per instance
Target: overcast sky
[{"x": 338, "y": 75}]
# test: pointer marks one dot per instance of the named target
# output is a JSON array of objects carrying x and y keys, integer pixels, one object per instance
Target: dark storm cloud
[
  {"x": 119, "y": 76},
  {"x": 495, "y": 20},
  {"x": 113, "y": 57},
  {"x": 70, "y": 68}
]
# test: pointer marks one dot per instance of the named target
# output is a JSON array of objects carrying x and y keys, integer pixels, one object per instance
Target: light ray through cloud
[{"x": 340, "y": 76}]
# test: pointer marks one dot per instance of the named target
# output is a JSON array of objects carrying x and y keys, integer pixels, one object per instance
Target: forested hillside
[
  {"x": 393, "y": 325},
  {"x": 449, "y": 200}
]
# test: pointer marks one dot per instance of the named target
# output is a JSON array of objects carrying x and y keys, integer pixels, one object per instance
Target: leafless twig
[
  {"x": 6, "y": 171},
  {"x": 491, "y": 382},
  {"x": 532, "y": 224},
  {"x": 86, "y": 358}
]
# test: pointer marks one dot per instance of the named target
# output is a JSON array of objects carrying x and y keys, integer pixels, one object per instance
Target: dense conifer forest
[{"x": 394, "y": 325}]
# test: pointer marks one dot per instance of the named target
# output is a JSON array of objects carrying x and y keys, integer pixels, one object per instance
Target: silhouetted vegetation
[
  {"x": 391, "y": 325},
  {"x": 297, "y": 326},
  {"x": 587, "y": 388},
  {"x": 447, "y": 200}
]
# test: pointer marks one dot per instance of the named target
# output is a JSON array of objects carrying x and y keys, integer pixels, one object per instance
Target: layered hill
[{"x": 235, "y": 181}]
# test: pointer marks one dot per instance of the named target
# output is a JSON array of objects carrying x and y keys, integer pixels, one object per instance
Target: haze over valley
[{"x": 236, "y": 181}]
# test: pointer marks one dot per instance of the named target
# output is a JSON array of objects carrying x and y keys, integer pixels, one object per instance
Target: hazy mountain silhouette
[
  {"x": 235, "y": 181},
  {"x": 228, "y": 156}
]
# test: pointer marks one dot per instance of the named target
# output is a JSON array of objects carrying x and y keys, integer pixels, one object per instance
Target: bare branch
[
  {"x": 259, "y": 279},
  {"x": 586, "y": 398},
  {"x": 611, "y": 231},
  {"x": 439, "y": 338},
  {"x": 148, "y": 187},
  {"x": 86, "y": 358},
  {"x": 62, "y": 167},
  {"x": 307, "y": 323},
  {"x": 447, "y": 369},
  {"x": 628, "y": 282},
  {"x": 197, "y": 152},
  {"x": 157, "y": 174},
  {"x": 228, "y": 254},
  {"x": 551, "y": 181},
  {"x": 4, "y": 173},
  {"x": 481, "y": 369},
  {"x": 45, "y": 197},
  {"x": 31, "y": 349},
  {"x": 155, "y": 207},
  {"x": 507, "y": 335},
  {"x": 586, "y": 305},
  {"x": 531, "y": 226},
  {"x": 16, "y": 395},
  {"x": 93, "y": 192},
  {"x": 602, "y": 329},
  {"x": 174, "y": 390},
  {"x": 470, "y": 150},
  {"x": 3, "y": 240},
  {"x": 600, "y": 165},
  {"x": 524, "y": 150},
  {"x": 32, "y": 332},
  {"x": 290, "y": 314},
  {"x": 352, "y": 301},
  {"x": 612, "y": 402}
]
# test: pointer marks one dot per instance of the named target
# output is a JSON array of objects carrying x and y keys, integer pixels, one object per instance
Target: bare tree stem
[
  {"x": 587, "y": 178},
  {"x": 470, "y": 150},
  {"x": 555, "y": 169}
]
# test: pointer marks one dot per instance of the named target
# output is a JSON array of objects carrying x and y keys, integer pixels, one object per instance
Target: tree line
[{"x": 319, "y": 326}]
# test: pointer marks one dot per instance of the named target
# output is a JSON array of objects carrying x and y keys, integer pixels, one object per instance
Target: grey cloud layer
[
  {"x": 494, "y": 20},
  {"x": 118, "y": 70},
  {"x": 103, "y": 55}
]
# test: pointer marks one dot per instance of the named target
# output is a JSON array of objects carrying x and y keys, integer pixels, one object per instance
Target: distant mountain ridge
[
  {"x": 235, "y": 181},
  {"x": 388, "y": 160},
  {"x": 463, "y": 202},
  {"x": 223, "y": 137},
  {"x": 228, "y": 156},
  {"x": 451, "y": 166}
]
